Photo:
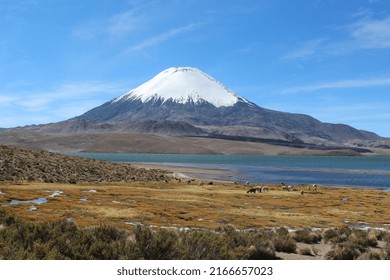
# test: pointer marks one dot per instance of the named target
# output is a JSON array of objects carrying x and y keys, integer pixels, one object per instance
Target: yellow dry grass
[{"x": 185, "y": 205}]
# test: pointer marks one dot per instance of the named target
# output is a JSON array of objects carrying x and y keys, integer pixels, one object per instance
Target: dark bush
[
  {"x": 337, "y": 235},
  {"x": 283, "y": 242},
  {"x": 345, "y": 251},
  {"x": 307, "y": 236}
]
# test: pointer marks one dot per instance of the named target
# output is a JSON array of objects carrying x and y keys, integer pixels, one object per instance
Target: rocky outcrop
[{"x": 29, "y": 165}]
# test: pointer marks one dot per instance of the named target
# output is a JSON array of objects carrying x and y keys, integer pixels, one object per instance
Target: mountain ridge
[
  {"x": 146, "y": 102},
  {"x": 186, "y": 102}
]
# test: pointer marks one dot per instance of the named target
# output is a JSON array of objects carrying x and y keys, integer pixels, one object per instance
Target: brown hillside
[{"x": 28, "y": 165}]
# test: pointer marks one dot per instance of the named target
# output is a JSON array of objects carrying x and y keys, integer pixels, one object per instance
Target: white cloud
[
  {"x": 164, "y": 36},
  {"x": 370, "y": 33},
  {"x": 116, "y": 25},
  {"x": 364, "y": 33},
  {"x": 357, "y": 83},
  {"x": 307, "y": 49},
  {"x": 65, "y": 100},
  {"x": 123, "y": 23},
  {"x": 6, "y": 99}
]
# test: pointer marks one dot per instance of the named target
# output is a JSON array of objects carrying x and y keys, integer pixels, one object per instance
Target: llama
[
  {"x": 253, "y": 190},
  {"x": 290, "y": 188},
  {"x": 285, "y": 188},
  {"x": 312, "y": 188}
]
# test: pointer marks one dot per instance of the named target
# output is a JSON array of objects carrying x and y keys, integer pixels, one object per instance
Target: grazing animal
[
  {"x": 312, "y": 188},
  {"x": 253, "y": 190},
  {"x": 290, "y": 188},
  {"x": 200, "y": 184},
  {"x": 259, "y": 190},
  {"x": 285, "y": 188},
  {"x": 264, "y": 189}
]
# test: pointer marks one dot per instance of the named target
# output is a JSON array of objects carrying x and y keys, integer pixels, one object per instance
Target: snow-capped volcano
[
  {"x": 196, "y": 103},
  {"x": 183, "y": 85}
]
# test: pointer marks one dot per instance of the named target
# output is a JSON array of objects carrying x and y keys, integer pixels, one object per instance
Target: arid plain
[{"x": 185, "y": 204}]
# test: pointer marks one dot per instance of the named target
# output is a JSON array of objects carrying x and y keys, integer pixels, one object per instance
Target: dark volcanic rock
[{"x": 240, "y": 114}]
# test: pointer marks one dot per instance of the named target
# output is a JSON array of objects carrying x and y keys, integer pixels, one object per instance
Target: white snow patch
[{"x": 183, "y": 85}]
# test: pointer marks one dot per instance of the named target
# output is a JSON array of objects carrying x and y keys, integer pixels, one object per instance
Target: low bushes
[
  {"x": 63, "y": 240},
  {"x": 20, "y": 239}
]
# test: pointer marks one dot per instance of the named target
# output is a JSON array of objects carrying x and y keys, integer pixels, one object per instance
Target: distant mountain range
[{"x": 186, "y": 102}]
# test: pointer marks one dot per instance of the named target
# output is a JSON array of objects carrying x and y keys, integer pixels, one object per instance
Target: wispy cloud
[
  {"x": 363, "y": 33},
  {"x": 6, "y": 99},
  {"x": 116, "y": 25},
  {"x": 357, "y": 83},
  {"x": 158, "y": 39},
  {"x": 307, "y": 49},
  {"x": 371, "y": 33},
  {"x": 123, "y": 23},
  {"x": 62, "y": 102}
]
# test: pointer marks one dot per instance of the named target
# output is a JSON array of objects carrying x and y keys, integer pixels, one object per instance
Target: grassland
[
  {"x": 182, "y": 205},
  {"x": 78, "y": 220}
]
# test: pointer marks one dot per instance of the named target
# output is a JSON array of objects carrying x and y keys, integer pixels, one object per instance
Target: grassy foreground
[
  {"x": 176, "y": 204},
  {"x": 150, "y": 220}
]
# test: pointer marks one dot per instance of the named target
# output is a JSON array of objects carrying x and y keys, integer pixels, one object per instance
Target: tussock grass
[{"x": 161, "y": 203}]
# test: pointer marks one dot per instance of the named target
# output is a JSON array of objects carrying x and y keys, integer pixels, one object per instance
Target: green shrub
[
  {"x": 283, "y": 242},
  {"x": 307, "y": 236},
  {"x": 336, "y": 235},
  {"x": 206, "y": 245},
  {"x": 386, "y": 250},
  {"x": 363, "y": 238},
  {"x": 345, "y": 251},
  {"x": 155, "y": 245},
  {"x": 369, "y": 255},
  {"x": 262, "y": 250}
]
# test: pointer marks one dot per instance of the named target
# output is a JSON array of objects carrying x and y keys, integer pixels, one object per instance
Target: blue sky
[{"x": 326, "y": 58}]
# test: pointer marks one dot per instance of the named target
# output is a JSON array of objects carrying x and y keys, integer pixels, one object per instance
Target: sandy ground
[{"x": 200, "y": 174}]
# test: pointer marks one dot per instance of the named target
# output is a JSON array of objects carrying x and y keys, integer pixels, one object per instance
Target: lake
[{"x": 357, "y": 171}]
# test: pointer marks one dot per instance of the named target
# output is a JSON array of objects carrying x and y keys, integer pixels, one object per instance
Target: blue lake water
[{"x": 357, "y": 171}]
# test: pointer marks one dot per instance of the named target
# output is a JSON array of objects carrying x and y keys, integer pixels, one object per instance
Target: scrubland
[{"x": 168, "y": 220}]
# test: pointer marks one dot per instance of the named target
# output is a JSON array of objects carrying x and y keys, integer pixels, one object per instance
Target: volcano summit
[
  {"x": 186, "y": 102},
  {"x": 176, "y": 94},
  {"x": 185, "y": 94},
  {"x": 183, "y": 85}
]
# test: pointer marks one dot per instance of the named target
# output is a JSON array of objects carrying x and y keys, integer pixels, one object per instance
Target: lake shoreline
[
  {"x": 361, "y": 172},
  {"x": 224, "y": 175}
]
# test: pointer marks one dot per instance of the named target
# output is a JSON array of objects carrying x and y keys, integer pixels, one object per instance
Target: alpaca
[{"x": 253, "y": 190}]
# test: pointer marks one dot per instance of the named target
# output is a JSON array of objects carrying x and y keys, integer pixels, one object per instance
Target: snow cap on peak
[{"x": 182, "y": 85}]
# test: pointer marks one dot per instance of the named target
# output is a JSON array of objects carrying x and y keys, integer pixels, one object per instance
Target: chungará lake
[{"x": 356, "y": 171}]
